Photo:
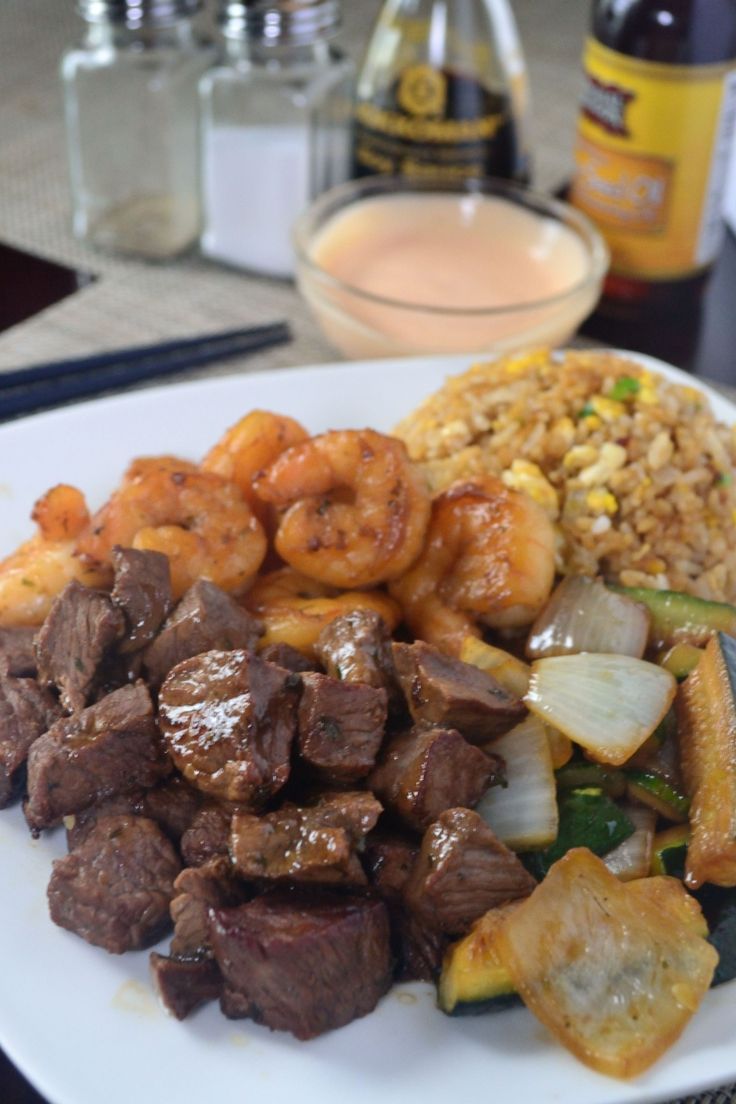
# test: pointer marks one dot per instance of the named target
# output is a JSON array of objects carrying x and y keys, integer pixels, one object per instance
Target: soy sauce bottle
[
  {"x": 443, "y": 92},
  {"x": 654, "y": 135}
]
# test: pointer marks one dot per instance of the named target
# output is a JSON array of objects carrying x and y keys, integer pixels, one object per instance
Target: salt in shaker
[{"x": 276, "y": 120}]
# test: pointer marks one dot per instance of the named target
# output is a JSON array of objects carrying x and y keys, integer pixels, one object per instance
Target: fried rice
[{"x": 635, "y": 471}]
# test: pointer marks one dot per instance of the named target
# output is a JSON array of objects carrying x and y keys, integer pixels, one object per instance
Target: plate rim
[{"x": 189, "y": 389}]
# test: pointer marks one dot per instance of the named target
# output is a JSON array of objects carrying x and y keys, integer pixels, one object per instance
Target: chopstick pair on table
[{"x": 44, "y": 385}]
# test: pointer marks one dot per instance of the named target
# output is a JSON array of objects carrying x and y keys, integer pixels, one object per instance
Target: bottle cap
[
  {"x": 280, "y": 22},
  {"x": 137, "y": 13}
]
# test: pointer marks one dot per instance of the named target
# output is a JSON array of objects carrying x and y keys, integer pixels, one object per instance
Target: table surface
[{"x": 129, "y": 302}]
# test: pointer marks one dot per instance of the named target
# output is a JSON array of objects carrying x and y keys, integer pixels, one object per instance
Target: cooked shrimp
[
  {"x": 250, "y": 446},
  {"x": 295, "y": 609},
  {"x": 199, "y": 520},
  {"x": 61, "y": 513},
  {"x": 32, "y": 576},
  {"x": 489, "y": 558},
  {"x": 356, "y": 508}
]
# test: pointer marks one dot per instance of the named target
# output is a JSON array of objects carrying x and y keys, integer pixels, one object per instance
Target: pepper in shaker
[
  {"x": 276, "y": 117},
  {"x": 130, "y": 94}
]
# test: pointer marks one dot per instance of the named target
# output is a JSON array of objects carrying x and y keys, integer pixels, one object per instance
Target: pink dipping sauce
[{"x": 462, "y": 252}]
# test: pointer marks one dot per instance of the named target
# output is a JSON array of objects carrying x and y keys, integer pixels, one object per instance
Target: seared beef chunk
[
  {"x": 114, "y": 889},
  {"x": 110, "y": 748},
  {"x": 304, "y": 963},
  {"x": 312, "y": 844},
  {"x": 340, "y": 727},
  {"x": 26, "y": 711},
  {"x": 142, "y": 592},
  {"x": 357, "y": 648},
  {"x": 462, "y": 871},
  {"x": 427, "y": 770},
  {"x": 80, "y": 825},
  {"x": 228, "y": 719},
  {"x": 197, "y": 890},
  {"x": 173, "y": 804},
  {"x": 283, "y": 655},
  {"x": 418, "y": 950},
  {"x": 444, "y": 691},
  {"x": 205, "y": 620},
  {"x": 183, "y": 984},
  {"x": 81, "y": 628},
  {"x": 388, "y": 860},
  {"x": 207, "y": 836},
  {"x": 17, "y": 652}
]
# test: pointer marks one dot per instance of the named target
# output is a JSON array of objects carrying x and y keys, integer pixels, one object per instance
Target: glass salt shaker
[
  {"x": 130, "y": 92},
  {"x": 276, "y": 127}
]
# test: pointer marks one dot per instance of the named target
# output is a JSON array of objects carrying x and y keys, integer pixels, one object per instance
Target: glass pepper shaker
[
  {"x": 276, "y": 127},
  {"x": 130, "y": 92}
]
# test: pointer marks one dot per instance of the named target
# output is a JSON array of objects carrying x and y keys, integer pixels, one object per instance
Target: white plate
[{"x": 84, "y": 1026}]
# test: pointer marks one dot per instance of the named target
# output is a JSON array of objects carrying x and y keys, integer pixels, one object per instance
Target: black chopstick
[{"x": 62, "y": 381}]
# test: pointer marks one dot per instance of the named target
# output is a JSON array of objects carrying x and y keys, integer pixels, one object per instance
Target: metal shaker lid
[
  {"x": 137, "y": 13},
  {"x": 280, "y": 22}
]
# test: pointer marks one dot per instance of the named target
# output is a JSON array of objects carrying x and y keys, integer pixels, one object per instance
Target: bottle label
[
  {"x": 433, "y": 121},
  {"x": 651, "y": 158}
]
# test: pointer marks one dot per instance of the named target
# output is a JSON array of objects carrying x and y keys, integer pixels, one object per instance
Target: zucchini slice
[
  {"x": 658, "y": 793},
  {"x": 706, "y": 711},
  {"x": 720, "y": 908},
  {"x": 473, "y": 978},
  {"x": 681, "y": 618},
  {"x": 680, "y": 660},
  {"x": 579, "y": 774},
  {"x": 588, "y": 818},
  {"x": 670, "y": 851}
]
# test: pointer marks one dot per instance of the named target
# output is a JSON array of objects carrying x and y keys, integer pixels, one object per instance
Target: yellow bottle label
[{"x": 651, "y": 160}]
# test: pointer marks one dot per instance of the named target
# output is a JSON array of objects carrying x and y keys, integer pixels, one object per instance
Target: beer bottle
[
  {"x": 657, "y": 118},
  {"x": 443, "y": 92}
]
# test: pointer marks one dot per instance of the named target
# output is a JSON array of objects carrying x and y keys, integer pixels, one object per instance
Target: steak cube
[
  {"x": 26, "y": 711},
  {"x": 228, "y": 719},
  {"x": 389, "y": 860},
  {"x": 312, "y": 844},
  {"x": 110, "y": 748},
  {"x": 462, "y": 872},
  {"x": 283, "y": 655},
  {"x": 340, "y": 727},
  {"x": 142, "y": 592},
  {"x": 441, "y": 690},
  {"x": 427, "y": 770},
  {"x": 207, "y": 836},
  {"x": 418, "y": 950},
  {"x": 173, "y": 805},
  {"x": 80, "y": 825},
  {"x": 114, "y": 889},
  {"x": 80, "y": 630},
  {"x": 197, "y": 890},
  {"x": 206, "y": 619},
  {"x": 183, "y": 984},
  {"x": 356, "y": 647},
  {"x": 305, "y": 964},
  {"x": 17, "y": 652}
]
